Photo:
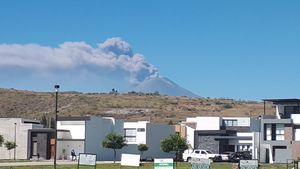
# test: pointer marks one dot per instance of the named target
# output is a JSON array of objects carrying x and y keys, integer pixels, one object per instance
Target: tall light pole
[
  {"x": 56, "y": 87},
  {"x": 259, "y": 136},
  {"x": 15, "y": 140}
]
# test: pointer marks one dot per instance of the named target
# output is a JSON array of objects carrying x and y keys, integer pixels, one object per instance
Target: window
[
  {"x": 130, "y": 135},
  {"x": 203, "y": 152},
  {"x": 141, "y": 129},
  {"x": 280, "y": 132},
  {"x": 288, "y": 110},
  {"x": 268, "y": 132},
  {"x": 274, "y": 132},
  {"x": 230, "y": 122}
]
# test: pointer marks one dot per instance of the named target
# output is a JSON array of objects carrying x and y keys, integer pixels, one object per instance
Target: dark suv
[{"x": 242, "y": 155}]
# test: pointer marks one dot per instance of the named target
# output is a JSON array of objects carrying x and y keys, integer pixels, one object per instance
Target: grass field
[{"x": 149, "y": 166}]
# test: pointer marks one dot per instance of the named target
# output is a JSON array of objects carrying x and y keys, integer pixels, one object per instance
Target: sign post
[
  {"x": 163, "y": 163},
  {"x": 87, "y": 160},
  {"x": 200, "y": 163},
  {"x": 248, "y": 164}
]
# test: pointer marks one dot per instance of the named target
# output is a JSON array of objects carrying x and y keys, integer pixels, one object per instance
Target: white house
[
  {"x": 16, "y": 130},
  {"x": 85, "y": 135}
]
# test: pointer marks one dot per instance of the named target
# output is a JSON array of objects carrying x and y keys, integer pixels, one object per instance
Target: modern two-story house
[
  {"x": 219, "y": 134},
  {"x": 279, "y": 138}
]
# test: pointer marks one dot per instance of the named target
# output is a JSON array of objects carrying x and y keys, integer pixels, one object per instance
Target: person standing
[{"x": 73, "y": 155}]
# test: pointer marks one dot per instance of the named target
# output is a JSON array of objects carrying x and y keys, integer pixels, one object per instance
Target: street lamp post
[
  {"x": 15, "y": 140},
  {"x": 55, "y": 146},
  {"x": 259, "y": 136}
]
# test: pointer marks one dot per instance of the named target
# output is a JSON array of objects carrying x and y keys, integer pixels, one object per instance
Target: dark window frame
[
  {"x": 234, "y": 122},
  {"x": 130, "y": 136}
]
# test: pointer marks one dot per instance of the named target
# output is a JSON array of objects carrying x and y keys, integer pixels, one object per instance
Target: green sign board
[
  {"x": 248, "y": 164},
  {"x": 200, "y": 163},
  {"x": 163, "y": 163}
]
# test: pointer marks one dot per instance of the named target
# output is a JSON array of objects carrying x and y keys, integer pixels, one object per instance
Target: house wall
[
  {"x": 255, "y": 129},
  {"x": 297, "y": 134},
  {"x": 96, "y": 130},
  {"x": 208, "y": 123},
  {"x": 140, "y": 136},
  {"x": 288, "y": 132},
  {"x": 296, "y": 149},
  {"x": 7, "y": 127},
  {"x": 241, "y": 121},
  {"x": 68, "y": 145},
  {"x": 190, "y": 136},
  {"x": 208, "y": 142},
  {"x": 76, "y": 128},
  {"x": 278, "y": 155},
  {"x": 242, "y": 141},
  {"x": 155, "y": 134},
  {"x": 280, "y": 108},
  {"x": 181, "y": 129}
]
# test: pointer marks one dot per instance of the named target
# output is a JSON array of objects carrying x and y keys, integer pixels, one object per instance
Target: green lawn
[{"x": 149, "y": 166}]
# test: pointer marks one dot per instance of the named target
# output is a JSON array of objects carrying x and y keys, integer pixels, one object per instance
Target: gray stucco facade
[
  {"x": 96, "y": 130},
  {"x": 277, "y": 151}
]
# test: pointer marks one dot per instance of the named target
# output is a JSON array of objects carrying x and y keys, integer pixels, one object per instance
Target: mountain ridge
[{"x": 129, "y": 107}]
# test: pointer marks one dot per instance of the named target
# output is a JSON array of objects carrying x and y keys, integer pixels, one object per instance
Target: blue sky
[{"x": 232, "y": 49}]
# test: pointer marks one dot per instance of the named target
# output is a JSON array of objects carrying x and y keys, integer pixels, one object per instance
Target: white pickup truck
[{"x": 197, "y": 153}]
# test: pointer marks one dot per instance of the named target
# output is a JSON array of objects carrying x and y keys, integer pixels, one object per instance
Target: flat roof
[
  {"x": 74, "y": 118},
  {"x": 234, "y": 137},
  {"x": 278, "y": 101},
  {"x": 31, "y": 121},
  {"x": 47, "y": 130}
]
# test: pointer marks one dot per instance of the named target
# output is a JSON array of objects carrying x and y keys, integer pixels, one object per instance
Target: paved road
[{"x": 47, "y": 162}]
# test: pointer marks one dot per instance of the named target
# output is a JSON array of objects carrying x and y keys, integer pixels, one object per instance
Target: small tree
[
  {"x": 142, "y": 148},
  {"x": 174, "y": 144},
  {"x": 10, "y": 145},
  {"x": 113, "y": 141}
]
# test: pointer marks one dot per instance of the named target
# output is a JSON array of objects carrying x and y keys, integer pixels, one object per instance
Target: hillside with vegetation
[{"x": 130, "y": 107}]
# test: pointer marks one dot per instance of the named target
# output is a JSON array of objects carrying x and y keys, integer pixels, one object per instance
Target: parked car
[
  {"x": 197, "y": 153},
  {"x": 225, "y": 156},
  {"x": 242, "y": 155}
]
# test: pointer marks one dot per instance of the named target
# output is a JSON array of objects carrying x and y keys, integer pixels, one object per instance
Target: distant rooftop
[
  {"x": 74, "y": 118},
  {"x": 282, "y": 101}
]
